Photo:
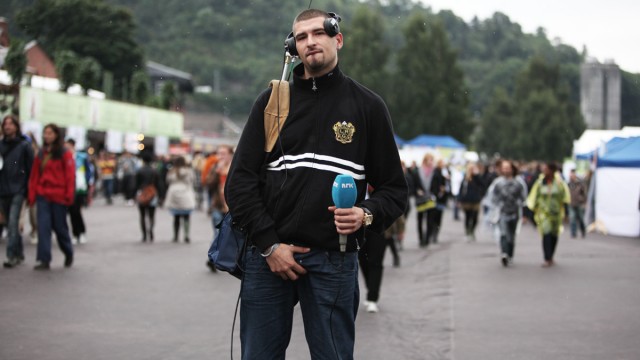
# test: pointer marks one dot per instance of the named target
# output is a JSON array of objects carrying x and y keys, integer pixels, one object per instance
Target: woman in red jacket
[{"x": 52, "y": 188}]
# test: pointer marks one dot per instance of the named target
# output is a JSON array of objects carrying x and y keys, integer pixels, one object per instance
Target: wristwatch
[{"x": 368, "y": 217}]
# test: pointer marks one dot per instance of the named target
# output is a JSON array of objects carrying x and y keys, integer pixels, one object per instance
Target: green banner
[{"x": 96, "y": 114}]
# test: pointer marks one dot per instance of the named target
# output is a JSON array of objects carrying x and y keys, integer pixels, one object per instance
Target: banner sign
[{"x": 66, "y": 110}]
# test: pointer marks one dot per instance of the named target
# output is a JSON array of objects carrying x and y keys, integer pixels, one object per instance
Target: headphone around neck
[{"x": 330, "y": 25}]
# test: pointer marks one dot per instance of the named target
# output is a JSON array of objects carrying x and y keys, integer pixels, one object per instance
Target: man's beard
[{"x": 316, "y": 65}]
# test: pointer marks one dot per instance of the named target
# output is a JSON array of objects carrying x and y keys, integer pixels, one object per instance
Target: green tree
[
  {"x": 363, "y": 62},
  {"x": 168, "y": 95},
  {"x": 541, "y": 122},
  {"x": 429, "y": 91},
  {"x": 498, "y": 125},
  {"x": 89, "y": 74},
  {"x": 16, "y": 62},
  {"x": 66, "y": 62},
  {"x": 90, "y": 28},
  {"x": 140, "y": 87},
  {"x": 545, "y": 132}
]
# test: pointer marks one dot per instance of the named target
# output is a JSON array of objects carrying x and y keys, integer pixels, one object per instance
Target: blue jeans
[
  {"x": 52, "y": 216},
  {"x": 508, "y": 226},
  {"x": 576, "y": 218},
  {"x": 107, "y": 186},
  {"x": 11, "y": 206},
  {"x": 328, "y": 296}
]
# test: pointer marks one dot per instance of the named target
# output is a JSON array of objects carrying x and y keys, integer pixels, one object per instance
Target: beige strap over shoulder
[{"x": 278, "y": 106}]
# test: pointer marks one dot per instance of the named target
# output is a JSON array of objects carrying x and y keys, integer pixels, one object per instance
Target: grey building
[{"x": 600, "y": 95}]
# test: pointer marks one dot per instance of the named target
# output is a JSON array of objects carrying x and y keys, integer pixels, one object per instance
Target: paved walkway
[{"x": 127, "y": 300}]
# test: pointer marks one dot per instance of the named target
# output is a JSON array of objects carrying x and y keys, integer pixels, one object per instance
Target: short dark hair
[
  {"x": 310, "y": 14},
  {"x": 71, "y": 141}
]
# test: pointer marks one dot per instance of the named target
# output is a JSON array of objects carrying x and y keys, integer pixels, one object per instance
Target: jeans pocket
[{"x": 253, "y": 262}]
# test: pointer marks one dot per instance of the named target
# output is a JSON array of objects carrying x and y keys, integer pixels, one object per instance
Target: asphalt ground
[{"x": 124, "y": 299}]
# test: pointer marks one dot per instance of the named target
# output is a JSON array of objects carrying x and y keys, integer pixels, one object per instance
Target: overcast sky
[{"x": 609, "y": 29}]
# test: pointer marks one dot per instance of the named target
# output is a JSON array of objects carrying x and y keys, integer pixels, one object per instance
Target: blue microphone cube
[{"x": 344, "y": 192}]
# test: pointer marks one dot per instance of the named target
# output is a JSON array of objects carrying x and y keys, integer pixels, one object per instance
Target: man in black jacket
[
  {"x": 283, "y": 199},
  {"x": 17, "y": 156}
]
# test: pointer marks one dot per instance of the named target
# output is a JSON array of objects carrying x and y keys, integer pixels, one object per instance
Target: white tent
[{"x": 617, "y": 185}]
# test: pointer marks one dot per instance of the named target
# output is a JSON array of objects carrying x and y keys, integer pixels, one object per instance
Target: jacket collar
[{"x": 326, "y": 81}]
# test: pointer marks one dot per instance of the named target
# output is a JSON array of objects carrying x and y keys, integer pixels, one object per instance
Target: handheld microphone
[{"x": 344, "y": 195}]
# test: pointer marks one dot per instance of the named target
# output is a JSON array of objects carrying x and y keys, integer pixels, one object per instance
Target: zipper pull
[{"x": 314, "y": 88}]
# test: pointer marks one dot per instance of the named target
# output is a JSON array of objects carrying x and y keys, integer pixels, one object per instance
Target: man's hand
[
  {"x": 281, "y": 261},
  {"x": 347, "y": 221}
]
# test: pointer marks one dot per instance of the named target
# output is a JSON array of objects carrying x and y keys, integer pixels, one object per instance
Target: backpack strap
[{"x": 276, "y": 112}]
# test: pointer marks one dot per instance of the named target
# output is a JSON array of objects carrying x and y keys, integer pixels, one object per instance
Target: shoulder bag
[{"x": 227, "y": 248}]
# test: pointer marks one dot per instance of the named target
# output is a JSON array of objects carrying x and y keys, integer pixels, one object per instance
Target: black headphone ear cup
[
  {"x": 331, "y": 26},
  {"x": 290, "y": 45}
]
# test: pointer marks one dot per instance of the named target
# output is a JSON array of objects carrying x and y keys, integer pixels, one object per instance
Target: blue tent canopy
[
  {"x": 436, "y": 141},
  {"x": 586, "y": 156},
  {"x": 399, "y": 141},
  {"x": 621, "y": 152}
]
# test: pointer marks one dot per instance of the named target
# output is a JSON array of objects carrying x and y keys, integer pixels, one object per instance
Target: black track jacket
[{"x": 284, "y": 199}]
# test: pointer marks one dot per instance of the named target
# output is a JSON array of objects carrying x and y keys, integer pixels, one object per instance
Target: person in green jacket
[{"x": 547, "y": 200}]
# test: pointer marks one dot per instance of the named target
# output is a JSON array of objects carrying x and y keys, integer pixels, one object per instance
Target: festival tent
[
  {"x": 617, "y": 186},
  {"x": 435, "y": 141},
  {"x": 621, "y": 152},
  {"x": 591, "y": 140},
  {"x": 440, "y": 146}
]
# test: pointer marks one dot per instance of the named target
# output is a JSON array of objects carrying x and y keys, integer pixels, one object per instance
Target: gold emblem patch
[{"x": 344, "y": 131}]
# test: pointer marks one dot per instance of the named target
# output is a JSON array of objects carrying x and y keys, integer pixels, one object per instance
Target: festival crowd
[{"x": 44, "y": 184}]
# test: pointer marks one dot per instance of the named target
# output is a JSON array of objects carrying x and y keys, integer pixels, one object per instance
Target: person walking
[
  {"x": 83, "y": 180},
  {"x": 578, "y": 190},
  {"x": 197, "y": 164},
  {"x": 508, "y": 196},
  {"x": 52, "y": 187},
  {"x": 425, "y": 201},
  {"x": 126, "y": 171},
  {"x": 469, "y": 196},
  {"x": 208, "y": 164},
  {"x": 107, "y": 170},
  {"x": 147, "y": 188},
  {"x": 215, "y": 182},
  {"x": 371, "y": 259},
  {"x": 547, "y": 200},
  {"x": 439, "y": 192},
  {"x": 410, "y": 179},
  {"x": 181, "y": 197},
  {"x": 282, "y": 197},
  {"x": 17, "y": 159}
]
